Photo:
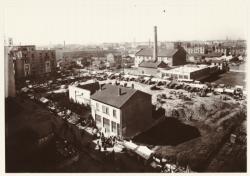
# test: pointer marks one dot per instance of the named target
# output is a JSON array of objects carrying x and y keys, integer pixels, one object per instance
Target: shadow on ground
[{"x": 170, "y": 131}]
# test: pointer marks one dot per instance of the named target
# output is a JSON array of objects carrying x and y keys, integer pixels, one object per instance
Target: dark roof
[
  {"x": 162, "y": 52},
  {"x": 213, "y": 54},
  {"x": 109, "y": 95},
  {"x": 147, "y": 64},
  {"x": 92, "y": 87},
  {"x": 196, "y": 54},
  {"x": 217, "y": 61},
  {"x": 206, "y": 55}
]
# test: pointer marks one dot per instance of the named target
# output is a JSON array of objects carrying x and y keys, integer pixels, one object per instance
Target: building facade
[
  {"x": 10, "y": 88},
  {"x": 121, "y": 111},
  {"x": 113, "y": 60},
  {"x": 31, "y": 62},
  {"x": 200, "y": 49},
  {"x": 151, "y": 68},
  {"x": 172, "y": 57},
  {"x": 189, "y": 72},
  {"x": 81, "y": 93}
]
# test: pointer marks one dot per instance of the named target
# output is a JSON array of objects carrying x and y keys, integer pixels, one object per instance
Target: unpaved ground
[{"x": 215, "y": 119}]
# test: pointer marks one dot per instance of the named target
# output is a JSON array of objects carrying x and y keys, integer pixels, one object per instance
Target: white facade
[
  {"x": 185, "y": 72},
  {"x": 107, "y": 118},
  {"x": 140, "y": 59},
  {"x": 79, "y": 95},
  {"x": 196, "y": 49}
]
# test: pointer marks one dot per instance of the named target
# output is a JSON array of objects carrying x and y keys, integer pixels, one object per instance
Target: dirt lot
[
  {"x": 213, "y": 117},
  {"x": 230, "y": 78}
]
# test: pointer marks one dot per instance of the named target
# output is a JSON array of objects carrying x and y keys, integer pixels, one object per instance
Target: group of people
[{"x": 105, "y": 142}]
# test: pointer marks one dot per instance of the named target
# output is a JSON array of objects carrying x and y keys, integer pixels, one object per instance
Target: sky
[{"x": 97, "y": 21}]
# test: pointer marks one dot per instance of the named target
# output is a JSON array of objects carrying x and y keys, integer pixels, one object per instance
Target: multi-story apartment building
[
  {"x": 196, "y": 49},
  {"x": 238, "y": 50},
  {"x": 221, "y": 49},
  {"x": 121, "y": 111},
  {"x": 31, "y": 62}
]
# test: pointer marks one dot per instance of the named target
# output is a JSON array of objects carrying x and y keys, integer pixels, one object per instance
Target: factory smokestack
[{"x": 155, "y": 54}]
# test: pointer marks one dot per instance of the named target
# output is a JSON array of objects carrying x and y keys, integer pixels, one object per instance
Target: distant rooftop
[
  {"x": 186, "y": 69},
  {"x": 162, "y": 52},
  {"x": 206, "y": 55},
  {"x": 148, "y": 64}
]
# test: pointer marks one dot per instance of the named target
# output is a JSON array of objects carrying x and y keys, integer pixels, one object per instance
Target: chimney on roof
[
  {"x": 119, "y": 91},
  {"x": 100, "y": 86},
  {"x": 155, "y": 54}
]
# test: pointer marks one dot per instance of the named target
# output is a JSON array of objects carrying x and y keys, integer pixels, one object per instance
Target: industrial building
[
  {"x": 121, "y": 111},
  {"x": 189, "y": 72},
  {"x": 172, "y": 57}
]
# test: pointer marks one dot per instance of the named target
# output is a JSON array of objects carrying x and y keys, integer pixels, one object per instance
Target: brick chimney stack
[{"x": 155, "y": 54}]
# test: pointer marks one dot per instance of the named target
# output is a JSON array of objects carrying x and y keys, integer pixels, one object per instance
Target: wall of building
[
  {"x": 10, "y": 88},
  {"x": 179, "y": 58},
  {"x": 78, "y": 95},
  {"x": 39, "y": 62},
  {"x": 99, "y": 111},
  {"x": 192, "y": 75},
  {"x": 136, "y": 114},
  {"x": 149, "y": 71},
  {"x": 19, "y": 68},
  {"x": 200, "y": 74},
  {"x": 140, "y": 59}
]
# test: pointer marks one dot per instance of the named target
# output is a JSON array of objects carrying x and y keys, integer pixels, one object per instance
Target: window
[
  {"x": 97, "y": 106},
  {"x": 118, "y": 129},
  {"x": 98, "y": 119},
  {"x": 113, "y": 127},
  {"x": 185, "y": 76},
  {"x": 114, "y": 113},
  {"x": 106, "y": 124},
  {"x": 105, "y": 110}
]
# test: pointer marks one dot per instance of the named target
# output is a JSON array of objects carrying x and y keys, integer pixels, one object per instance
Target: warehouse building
[
  {"x": 189, "y": 72},
  {"x": 172, "y": 57}
]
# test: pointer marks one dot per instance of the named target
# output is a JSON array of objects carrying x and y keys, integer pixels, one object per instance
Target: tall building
[
  {"x": 10, "y": 89},
  {"x": 31, "y": 62}
]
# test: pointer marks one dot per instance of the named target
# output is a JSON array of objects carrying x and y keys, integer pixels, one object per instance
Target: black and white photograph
[{"x": 124, "y": 86}]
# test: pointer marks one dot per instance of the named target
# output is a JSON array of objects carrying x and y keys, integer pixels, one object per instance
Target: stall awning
[
  {"x": 44, "y": 100},
  {"x": 144, "y": 152}
]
